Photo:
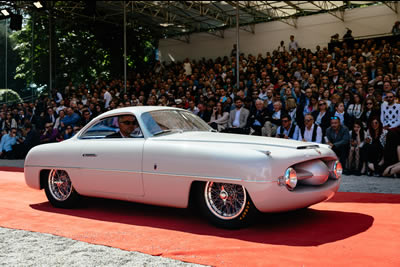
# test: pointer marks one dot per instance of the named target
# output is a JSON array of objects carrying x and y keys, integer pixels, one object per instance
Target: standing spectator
[
  {"x": 6, "y": 144},
  {"x": 338, "y": 138},
  {"x": 355, "y": 162},
  {"x": 390, "y": 112},
  {"x": 287, "y": 130},
  {"x": 396, "y": 28},
  {"x": 107, "y": 98},
  {"x": 310, "y": 132},
  {"x": 293, "y": 45},
  {"x": 281, "y": 47},
  {"x": 187, "y": 67}
]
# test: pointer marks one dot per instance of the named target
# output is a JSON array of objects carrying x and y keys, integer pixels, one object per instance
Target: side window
[{"x": 102, "y": 129}]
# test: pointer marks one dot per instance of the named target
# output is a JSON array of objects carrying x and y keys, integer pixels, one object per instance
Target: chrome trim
[{"x": 202, "y": 177}]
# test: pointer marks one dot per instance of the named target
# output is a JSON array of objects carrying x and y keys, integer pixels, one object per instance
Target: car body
[{"x": 176, "y": 157}]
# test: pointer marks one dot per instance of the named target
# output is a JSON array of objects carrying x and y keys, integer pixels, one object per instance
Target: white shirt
[
  {"x": 107, "y": 98},
  {"x": 236, "y": 122},
  {"x": 308, "y": 135}
]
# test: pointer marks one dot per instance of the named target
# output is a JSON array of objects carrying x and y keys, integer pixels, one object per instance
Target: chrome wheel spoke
[
  {"x": 226, "y": 201},
  {"x": 60, "y": 185}
]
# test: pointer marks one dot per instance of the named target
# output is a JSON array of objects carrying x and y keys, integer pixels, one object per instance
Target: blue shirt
[
  {"x": 7, "y": 142},
  {"x": 71, "y": 120}
]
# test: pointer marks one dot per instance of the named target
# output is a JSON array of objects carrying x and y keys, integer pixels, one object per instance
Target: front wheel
[
  {"x": 59, "y": 190},
  {"x": 225, "y": 205}
]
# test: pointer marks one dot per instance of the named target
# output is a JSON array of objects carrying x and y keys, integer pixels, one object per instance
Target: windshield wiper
[{"x": 162, "y": 132}]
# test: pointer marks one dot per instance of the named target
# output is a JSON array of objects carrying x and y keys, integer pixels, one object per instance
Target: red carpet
[{"x": 353, "y": 228}]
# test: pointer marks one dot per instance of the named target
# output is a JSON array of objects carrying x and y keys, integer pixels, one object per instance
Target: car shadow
[{"x": 307, "y": 227}]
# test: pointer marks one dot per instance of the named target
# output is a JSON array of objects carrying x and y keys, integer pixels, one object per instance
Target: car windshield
[{"x": 167, "y": 121}]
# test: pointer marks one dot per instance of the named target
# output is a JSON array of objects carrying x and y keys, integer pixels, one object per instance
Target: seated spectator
[
  {"x": 238, "y": 118},
  {"x": 310, "y": 132},
  {"x": 258, "y": 117},
  {"x": 86, "y": 118},
  {"x": 287, "y": 130},
  {"x": 49, "y": 135},
  {"x": 219, "y": 119},
  {"x": 374, "y": 144},
  {"x": 203, "y": 112},
  {"x": 72, "y": 118},
  {"x": 322, "y": 116},
  {"x": 9, "y": 122},
  {"x": 270, "y": 127},
  {"x": 355, "y": 163},
  {"x": 338, "y": 138},
  {"x": 68, "y": 133},
  {"x": 371, "y": 110},
  {"x": 31, "y": 140},
  {"x": 192, "y": 107},
  {"x": 6, "y": 144},
  {"x": 295, "y": 113},
  {"x": 355, "y": 108},
  {"x": 345, "y": 119},
  {"x": 50, "y": 116}
]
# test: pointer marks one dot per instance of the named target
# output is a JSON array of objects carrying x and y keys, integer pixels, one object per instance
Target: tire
[
  {"x": 59, "y": 190},
  {"x": 225, "y": 205}
]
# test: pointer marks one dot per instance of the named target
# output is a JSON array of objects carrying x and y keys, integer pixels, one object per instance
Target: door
[{"x": 111, "y": 167}]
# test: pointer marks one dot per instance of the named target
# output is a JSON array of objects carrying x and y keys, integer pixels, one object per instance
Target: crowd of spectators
[{"x": 348, "y": 99}]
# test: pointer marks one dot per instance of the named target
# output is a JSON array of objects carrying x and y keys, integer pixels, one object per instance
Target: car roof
[{"x": 138, "y": 110}]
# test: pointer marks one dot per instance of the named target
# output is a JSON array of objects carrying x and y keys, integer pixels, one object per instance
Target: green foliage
[
  {"x": 9, "y": 96},
  {"x": 82, "y": 50}
]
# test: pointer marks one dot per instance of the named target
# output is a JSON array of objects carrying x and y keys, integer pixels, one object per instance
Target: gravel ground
[{"x": 24, "y": 248}]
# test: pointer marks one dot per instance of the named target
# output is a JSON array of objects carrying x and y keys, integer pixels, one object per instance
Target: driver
[{"x": 128, "y": 127}]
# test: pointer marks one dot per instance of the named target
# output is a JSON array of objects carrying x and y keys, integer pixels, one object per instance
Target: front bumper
[{"x": 271, "y": 197}]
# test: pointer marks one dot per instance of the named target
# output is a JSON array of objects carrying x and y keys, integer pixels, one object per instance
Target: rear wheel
[
  {"x": 225, "y": 205},
  {"x": 59, "y": 190}
]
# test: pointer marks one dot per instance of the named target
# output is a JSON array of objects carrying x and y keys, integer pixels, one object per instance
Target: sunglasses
[
  {"x": 334, "y": 118},
  {"x": 308, "y": 120},
  {"x": 321, "y": 104},
  {"x": 128, "y": 122},
  {"x": 389, "y": 97},
  {"x": 285, "y": 120},
  {"x": 369, "y": 103}
]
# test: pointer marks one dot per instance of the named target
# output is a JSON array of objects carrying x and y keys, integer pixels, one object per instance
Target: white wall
[{"x": 311, "y": 31}]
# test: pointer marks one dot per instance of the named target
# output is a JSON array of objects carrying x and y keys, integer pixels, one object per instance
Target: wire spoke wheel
[
  {"x": 60, "y": 185},
  {"x": 225, "y": 201}
]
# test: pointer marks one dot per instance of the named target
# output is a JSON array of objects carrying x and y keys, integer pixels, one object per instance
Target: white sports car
[{"x": 176, "y": 157}]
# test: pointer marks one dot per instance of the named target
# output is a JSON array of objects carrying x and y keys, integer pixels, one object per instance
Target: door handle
[{"x": 89, "y": 155}]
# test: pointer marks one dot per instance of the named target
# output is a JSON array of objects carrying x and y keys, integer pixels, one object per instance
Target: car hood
[{"x": 214, "y": 137}]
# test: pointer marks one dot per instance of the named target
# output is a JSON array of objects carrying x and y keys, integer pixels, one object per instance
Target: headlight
[
  {"x": 290, "y": 178},
  {"x": 337, "y": 169}
]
